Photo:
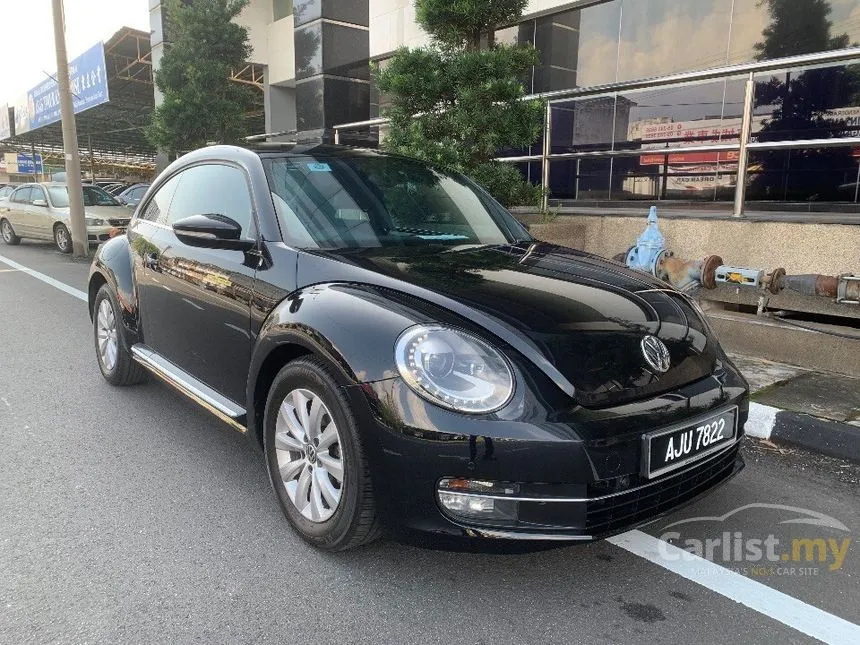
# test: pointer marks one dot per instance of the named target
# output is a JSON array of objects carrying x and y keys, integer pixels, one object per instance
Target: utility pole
[{"x": 80, "y": 245}]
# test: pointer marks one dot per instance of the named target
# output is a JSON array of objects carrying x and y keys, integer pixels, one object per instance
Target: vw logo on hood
[{"x": 656, "y": 353}]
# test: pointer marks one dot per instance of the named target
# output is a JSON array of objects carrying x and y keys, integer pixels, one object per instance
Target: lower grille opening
[{"x": 640, "y": 504}]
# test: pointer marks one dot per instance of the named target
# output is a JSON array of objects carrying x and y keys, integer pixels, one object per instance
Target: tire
[
  {"x": 8, "y": 233},
  {"x": 352, "y": 520},
  {"x": 62, "y": 238},
  {"x": 118, "y": 367}
]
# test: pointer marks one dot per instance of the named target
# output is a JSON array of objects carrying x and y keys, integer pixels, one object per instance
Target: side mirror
[
  {"x": 39, "y": 202},
  {"x": 212, "y": 230}
]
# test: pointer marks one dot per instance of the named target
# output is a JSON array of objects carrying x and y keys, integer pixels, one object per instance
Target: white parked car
[{"x": 41, "y": 212}]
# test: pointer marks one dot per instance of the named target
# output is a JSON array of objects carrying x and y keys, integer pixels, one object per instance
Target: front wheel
[
  {"x": 62, "y": 238},
  {"x": 112, "y": 351},
  {"x": 315, "y": 459},
  {"x": 8, "y": 233}
]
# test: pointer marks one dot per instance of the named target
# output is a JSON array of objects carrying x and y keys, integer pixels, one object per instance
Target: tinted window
[
  {"x": 5, "y": 192},
  {"x": 381, "y": 201},
  {"x": 213, "y": 189},
  {"x": 156, "y": 209},
  {"x": 93, "y": 196},
  {"x": 23, "y": 195}
]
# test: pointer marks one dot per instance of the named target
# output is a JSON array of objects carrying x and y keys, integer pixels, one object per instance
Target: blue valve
[{"x": 649, "y": 246}]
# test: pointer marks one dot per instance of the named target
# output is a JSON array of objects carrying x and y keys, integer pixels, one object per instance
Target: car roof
[{"x": 310, "y": 149}]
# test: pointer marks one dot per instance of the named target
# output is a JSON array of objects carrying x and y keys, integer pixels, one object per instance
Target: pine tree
[
  {"x": 201, "y": 104},
  {"x": 457, "y": 101}
]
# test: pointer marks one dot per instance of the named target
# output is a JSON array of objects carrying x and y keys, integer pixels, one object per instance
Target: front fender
[
  {"x": 352, "y": 327},
  {"x": 113, "y": 265}
]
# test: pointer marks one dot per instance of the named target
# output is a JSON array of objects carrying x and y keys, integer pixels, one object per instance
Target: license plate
[{"x": 670, "y": 448}]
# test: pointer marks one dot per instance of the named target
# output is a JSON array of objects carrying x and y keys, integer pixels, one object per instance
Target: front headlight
[
  {"x": 454, "y": 369},
  {"x": 94, "y": 221}
]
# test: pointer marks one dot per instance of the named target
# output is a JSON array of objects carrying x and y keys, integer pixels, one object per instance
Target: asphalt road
[{"x": 130, "y": 515}]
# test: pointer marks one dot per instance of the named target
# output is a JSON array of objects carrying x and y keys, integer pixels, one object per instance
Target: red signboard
[{"x": 689, "y": 158}]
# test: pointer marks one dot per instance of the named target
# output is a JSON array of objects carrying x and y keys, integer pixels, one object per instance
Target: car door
[
  {"x": 14, "y": 210},
  {"x": 195, "y": 300},
  {"x": 38, "y": 215}
]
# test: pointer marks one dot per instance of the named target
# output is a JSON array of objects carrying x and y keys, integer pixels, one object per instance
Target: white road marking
[
  {"x": 8, "y": 270},
  {"x": 790, "y": 611},
  {"x": 193, "y": 304},
  {"x": 62, "y": 286}
]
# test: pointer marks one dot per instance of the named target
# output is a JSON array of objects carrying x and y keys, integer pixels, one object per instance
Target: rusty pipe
[
  {"x": 844, "y": 288},
  {"x": 685, "y": 274},
  {"x": 811, "y": 284}
]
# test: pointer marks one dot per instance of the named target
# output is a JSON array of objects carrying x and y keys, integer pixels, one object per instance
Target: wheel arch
[
  {"x": 311, "y": 322},
  {"x": 112, "y": 265}
]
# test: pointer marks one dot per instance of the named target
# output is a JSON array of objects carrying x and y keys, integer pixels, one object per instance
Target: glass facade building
[{"x": 613, "y": 136}]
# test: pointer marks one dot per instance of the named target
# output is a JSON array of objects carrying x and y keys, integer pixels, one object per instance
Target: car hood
[
  {"x": 575, "y": 315},
  {"x": 104, "y": 212},
  {"x": 108, "y": 212}
]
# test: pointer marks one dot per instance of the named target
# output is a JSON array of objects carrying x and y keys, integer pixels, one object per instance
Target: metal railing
[{"x": 743, "y": 146}]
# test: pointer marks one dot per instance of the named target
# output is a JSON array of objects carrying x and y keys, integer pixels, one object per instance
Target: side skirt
[{"x": 222, "y": 407}]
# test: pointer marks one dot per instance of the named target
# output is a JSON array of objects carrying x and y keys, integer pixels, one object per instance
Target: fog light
[{"x": 474, "y": 499}]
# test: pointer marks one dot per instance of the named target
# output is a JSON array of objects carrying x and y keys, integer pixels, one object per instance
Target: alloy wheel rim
[
  {"x": 7, "y": 231},
  {"x": 62, "y": 238},
  {"x": 308, "y": 451},
  {"x": 106, "y": 335}
]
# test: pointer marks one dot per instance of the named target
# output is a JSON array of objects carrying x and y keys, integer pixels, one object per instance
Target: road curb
[{"x": 806, "y": 431}]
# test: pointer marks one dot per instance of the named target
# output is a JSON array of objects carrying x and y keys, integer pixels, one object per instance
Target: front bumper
[
  {"x": 98, "y": 234},
  {"x": 577, "y": 470}
]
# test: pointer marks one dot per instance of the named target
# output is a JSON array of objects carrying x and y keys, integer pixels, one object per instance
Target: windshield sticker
[{"x": 319, "y": 167}]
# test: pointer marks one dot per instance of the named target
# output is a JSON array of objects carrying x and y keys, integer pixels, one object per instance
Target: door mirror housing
[
  {"x": 212, "y": 230},
  {"x": 39, "y": 202}
]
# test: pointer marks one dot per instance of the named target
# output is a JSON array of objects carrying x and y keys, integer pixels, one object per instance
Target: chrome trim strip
[
  {"x": 516, "y": 535},
  {"x": 196, "y": 390},
  {"x": 580, "y": 500}
]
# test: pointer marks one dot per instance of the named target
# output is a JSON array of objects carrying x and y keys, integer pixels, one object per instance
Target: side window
[
  {"x": 23, "y": 195},
  {"x": 37, "y": 193},
  {"x": 214, "y": 189},
  {"x": 136, "y": 193},
  {"x": 156, "y": 209}
]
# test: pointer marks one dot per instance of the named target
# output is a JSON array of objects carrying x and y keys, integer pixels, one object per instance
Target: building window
[{"x": 282, "y": 8}]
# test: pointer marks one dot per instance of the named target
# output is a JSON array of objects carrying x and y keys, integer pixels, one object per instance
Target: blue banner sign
[
  {"x": 88, "y": 78},
  {"x": 25, "y": 164}
]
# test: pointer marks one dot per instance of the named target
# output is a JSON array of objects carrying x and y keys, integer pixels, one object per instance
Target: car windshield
[
  {"x": 93, "y": 196},
  {"x": 380, "y": 201}
]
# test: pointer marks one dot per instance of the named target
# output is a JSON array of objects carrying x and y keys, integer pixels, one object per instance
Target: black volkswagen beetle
[{"x": 404, "y": 351}]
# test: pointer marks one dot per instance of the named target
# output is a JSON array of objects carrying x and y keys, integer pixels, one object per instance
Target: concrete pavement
[{"x": 130, "y": 515}]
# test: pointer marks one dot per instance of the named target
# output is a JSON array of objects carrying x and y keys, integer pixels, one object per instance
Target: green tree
[
  {"x": 457, "y": 102},
  {"x": 201, "y": 103}
]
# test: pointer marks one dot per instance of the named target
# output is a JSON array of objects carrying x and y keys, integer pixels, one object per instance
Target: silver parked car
[{"x": 41, "y": 212}]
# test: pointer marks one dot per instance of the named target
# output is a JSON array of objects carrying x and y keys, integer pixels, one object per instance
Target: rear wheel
[
  {"x": 315, "y": 460},
  {"x": 8, "y": 233},
  {"x": 112, "y": 351},
  {"x": 62, "y": 238}
]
